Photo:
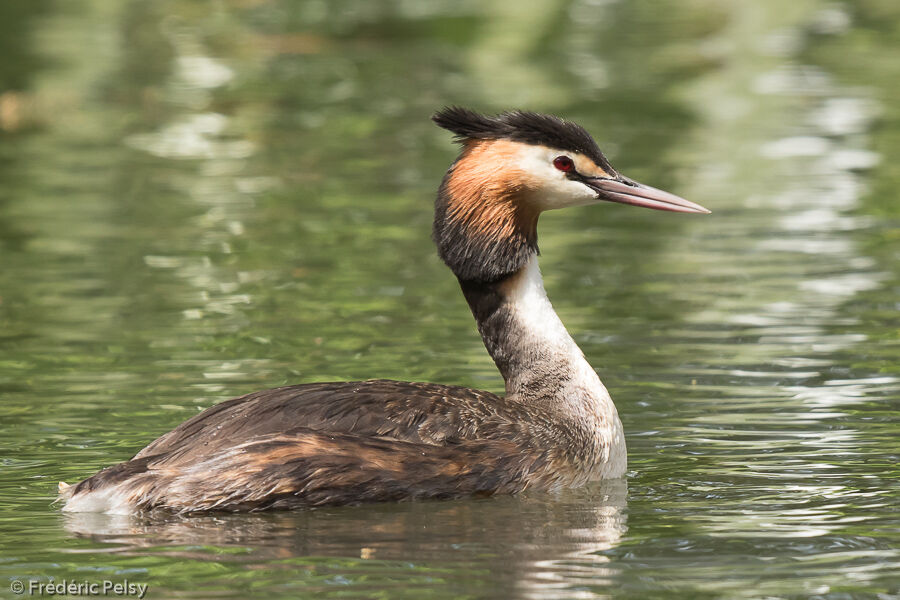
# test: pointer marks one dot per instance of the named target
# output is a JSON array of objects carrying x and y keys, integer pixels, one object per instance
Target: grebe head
[{"x": 512, "y": 167}]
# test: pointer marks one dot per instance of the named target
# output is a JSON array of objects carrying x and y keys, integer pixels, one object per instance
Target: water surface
[{"x": 201, "y": 199}]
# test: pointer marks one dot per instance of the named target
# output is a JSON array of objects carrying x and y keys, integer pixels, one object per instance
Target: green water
[{"x": 200, "y": 199}]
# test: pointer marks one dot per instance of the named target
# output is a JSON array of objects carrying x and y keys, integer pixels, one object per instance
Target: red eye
[{"x": 564, "y": 163}]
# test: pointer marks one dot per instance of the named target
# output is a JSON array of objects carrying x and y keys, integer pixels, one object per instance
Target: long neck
[{"x": 537, "y": 357}]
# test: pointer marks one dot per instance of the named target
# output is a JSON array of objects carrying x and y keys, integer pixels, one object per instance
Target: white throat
[
  {"x": 546, "y": 367},
  {"x": 543, "y": 338}
]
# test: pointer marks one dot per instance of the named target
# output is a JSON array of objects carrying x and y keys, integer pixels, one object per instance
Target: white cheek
[
  {"x": 555, "y": 190},
  {"x": 565, "y": 193}
]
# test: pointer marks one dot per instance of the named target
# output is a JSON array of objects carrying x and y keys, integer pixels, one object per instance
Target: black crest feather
[{"x": 521, "y": 126}]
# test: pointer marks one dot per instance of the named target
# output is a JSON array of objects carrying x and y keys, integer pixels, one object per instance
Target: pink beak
[{"x": 626, "y": 191}]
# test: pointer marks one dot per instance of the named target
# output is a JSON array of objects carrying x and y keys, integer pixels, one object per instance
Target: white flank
[{"x": 110, "y": 500}]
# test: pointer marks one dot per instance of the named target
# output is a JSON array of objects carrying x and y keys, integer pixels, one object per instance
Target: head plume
[{"x": 521, "y": 126}]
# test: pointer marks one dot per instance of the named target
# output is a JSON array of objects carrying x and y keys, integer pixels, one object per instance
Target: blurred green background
[{"x": 203, "y": 198}]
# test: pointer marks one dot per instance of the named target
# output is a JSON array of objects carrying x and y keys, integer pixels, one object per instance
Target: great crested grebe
[{"x": 368, "y": 441}]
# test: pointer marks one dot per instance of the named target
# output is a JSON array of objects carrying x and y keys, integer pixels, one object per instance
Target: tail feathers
[
  {"x": 63, "y": 490},
  {"x": 304, "y": 467}
]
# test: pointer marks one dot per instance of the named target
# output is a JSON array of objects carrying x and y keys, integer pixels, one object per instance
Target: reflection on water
[
  {"x": 200, "y": 200},
  {"x": 543, "y": 547}
]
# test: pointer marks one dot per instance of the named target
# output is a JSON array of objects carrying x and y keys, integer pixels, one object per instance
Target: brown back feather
[{"x": 302, "y": 467}]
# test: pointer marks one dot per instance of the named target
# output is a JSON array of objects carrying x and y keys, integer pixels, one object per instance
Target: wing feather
[
  {"x": 398, "y": 410},
  {"x": 303, "y": 467}
]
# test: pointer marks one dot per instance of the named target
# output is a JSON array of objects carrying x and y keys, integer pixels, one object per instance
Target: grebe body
[{"x": 380, "y": 440}]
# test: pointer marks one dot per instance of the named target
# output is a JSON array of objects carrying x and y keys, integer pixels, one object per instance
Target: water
[{"x": 201, "y": 199}]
